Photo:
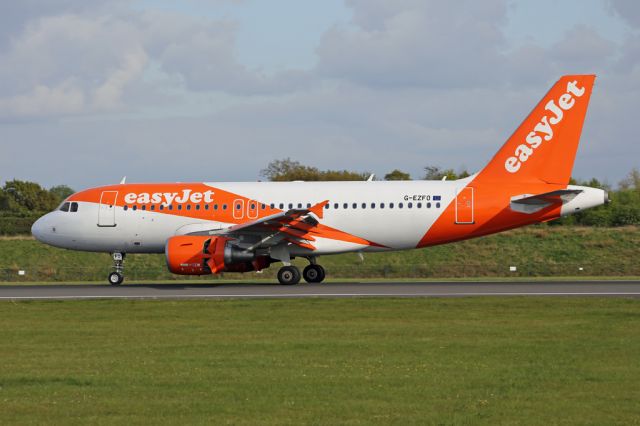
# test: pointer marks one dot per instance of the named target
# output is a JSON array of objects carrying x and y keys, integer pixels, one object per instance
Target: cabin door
[{"x": 464, "y": 206}]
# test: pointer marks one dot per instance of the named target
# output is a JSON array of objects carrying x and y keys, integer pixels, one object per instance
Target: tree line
[{"x": 22, "y": 202}]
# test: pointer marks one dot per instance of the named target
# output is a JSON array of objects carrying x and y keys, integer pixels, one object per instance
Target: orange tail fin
[{"x": 544, "y": 147}]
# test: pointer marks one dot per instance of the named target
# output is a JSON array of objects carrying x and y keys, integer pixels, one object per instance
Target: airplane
[{"x": 209, "y": 228}]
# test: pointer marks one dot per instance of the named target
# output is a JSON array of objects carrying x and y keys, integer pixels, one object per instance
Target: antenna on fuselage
[
  {"x": 123, "y": 181},
  {"x": 371, "y": 177}
]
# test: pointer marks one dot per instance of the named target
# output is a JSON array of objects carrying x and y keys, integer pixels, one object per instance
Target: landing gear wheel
[
  {"x": 289, "y": 275},
  {"x": 115, "y": 278},
  {"x": 313, "y": 274}
]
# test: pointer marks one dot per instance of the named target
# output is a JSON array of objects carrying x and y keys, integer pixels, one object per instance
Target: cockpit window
[
  {"x": 65, "y": 207},
  {"x": 74, "y": 207}
]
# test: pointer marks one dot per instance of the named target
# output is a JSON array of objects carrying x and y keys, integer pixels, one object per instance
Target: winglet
[
  {"x": 123, "y": 181},
  {"x": 318, "y": 209}
]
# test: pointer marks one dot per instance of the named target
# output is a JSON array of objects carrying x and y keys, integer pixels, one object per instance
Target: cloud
[
  {"x": 417, "y": 43},
  {"x": 629, "y": 10},
  {"x": 403, "y": 84},
  {"x": 65, "y": 98},
  {"x": 81, "y": 62},
  {"x": 88, "y": 59}
]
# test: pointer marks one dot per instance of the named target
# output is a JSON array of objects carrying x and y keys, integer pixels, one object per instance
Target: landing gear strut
[{"x": 116, "y": 277}]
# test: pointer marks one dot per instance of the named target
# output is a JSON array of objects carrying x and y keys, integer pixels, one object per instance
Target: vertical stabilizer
[{"x": 544, "y": 147}]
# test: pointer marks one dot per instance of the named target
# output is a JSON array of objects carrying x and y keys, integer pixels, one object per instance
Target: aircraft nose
[{"x": 39, "y": 229}]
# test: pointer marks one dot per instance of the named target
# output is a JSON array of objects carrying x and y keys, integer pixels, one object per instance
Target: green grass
[
  {"x": 322, "y": 361},
  {"x": 536, "y": 251}
]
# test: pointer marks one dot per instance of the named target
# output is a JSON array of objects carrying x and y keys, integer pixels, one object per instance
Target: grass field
[
  {"x": 535, "y": 251},
  {"x": 322, "y": 361}
]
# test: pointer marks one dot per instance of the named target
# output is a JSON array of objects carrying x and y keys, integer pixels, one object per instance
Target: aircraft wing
[{"x": 292, "y": 226}]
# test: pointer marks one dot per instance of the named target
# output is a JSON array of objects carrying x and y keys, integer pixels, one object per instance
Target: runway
[{"x": 350, "y": 289}]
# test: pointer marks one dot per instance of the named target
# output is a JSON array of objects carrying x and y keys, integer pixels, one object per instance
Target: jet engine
[{"x": 203, "y": 255}]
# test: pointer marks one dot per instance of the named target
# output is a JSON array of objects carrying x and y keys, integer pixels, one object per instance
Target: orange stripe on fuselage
[
  {"x": 182, "y": 194},
  {"x": 492, "y": 213},
  {"x": 183, "y": 199}
]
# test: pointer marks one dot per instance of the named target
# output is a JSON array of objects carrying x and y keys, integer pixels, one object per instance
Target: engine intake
[{"x": 202, "y": 255}]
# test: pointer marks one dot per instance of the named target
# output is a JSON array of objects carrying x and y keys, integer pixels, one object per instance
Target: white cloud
[
  {"x": 405, "y": 84},
  {"x": 417, "y": 43},
  {"x": 42, "y": 101},
  {"x": 629, "y": 10}
]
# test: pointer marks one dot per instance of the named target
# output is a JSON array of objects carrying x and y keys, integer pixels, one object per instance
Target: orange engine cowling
[{"x": 202, "y": 255}]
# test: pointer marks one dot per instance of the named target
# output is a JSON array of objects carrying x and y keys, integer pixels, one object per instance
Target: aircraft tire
[
  {"x": 313, "y": 274},
  {"x": 289, "y": 275},
  {"x": 115, "y": 278}
]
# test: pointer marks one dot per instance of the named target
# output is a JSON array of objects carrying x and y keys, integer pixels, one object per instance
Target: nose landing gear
[{"x": 117, "y": 277}]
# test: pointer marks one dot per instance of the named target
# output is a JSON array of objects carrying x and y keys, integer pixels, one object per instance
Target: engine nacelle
[{"x": 202, "y": 255}]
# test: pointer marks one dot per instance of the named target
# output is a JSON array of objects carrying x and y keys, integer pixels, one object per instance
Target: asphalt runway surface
[{"x": 348, "y": 289}]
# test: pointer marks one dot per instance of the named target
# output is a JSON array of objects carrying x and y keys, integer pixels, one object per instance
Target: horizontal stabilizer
[{"x": 529, "y": 204}]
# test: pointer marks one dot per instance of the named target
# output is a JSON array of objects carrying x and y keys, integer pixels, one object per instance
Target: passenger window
[
  {"x": 161, "y": 206},
  {"x": 206, "y": 206},
  {"x": 326, "y": 206},
  {"x": 345, "y": 206},
  {"x": 290, "y": 205},
  {"x": 188, "y": 206},
  {"x": 354, "y": 205},
  {"x": 135, "y": 208},
  {"x": 373, "y": 205},
  {"x": 308, "y": 205},
  {"x": 170, "y": 207},
  {"x": 197, "y": 206},
  {"x": 272, "y": 206},
  {"x": 179, "y": 206},
  {"x": 264, "y": 207},
  {"x": 390, "y": 205},
  {"x": 215, "y": 207},
  {"x": 153, "y": 206},
  {"x": 364, "y": 205},
  {"x": 410, "y": 205},
  {"x": 65, "y": 207},
  {"x": 419, "y": 205},
  {"x": 428, "y": 205},
  {"x": 126, "y": 208},
  {"x": 299, "y": 205},
  {"x": 437, "y": 205},
  {"x": 74, "y": 207},
  {"x": 382, "y": 205},
  {"x": 400, "y": 205},
  {"x": 336, "y": 205},
  {"x": 224, "y": 207},
  {"x": 144, "y": 207},
  {"x": 281, "y": 206}
]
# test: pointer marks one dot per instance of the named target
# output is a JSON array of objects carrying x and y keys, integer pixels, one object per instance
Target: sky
[{"x": 199, "y": 90}]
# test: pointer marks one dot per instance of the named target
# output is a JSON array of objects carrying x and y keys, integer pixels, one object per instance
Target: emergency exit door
[{"x": 464, "y": 206}]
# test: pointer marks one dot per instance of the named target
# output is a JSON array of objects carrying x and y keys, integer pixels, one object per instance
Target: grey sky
[{"x": 195, "y": 90}]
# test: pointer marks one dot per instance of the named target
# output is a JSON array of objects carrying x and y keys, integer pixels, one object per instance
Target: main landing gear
[
  {"x": 117, "y": 276},
  {"x": 290, "y": 275}
]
